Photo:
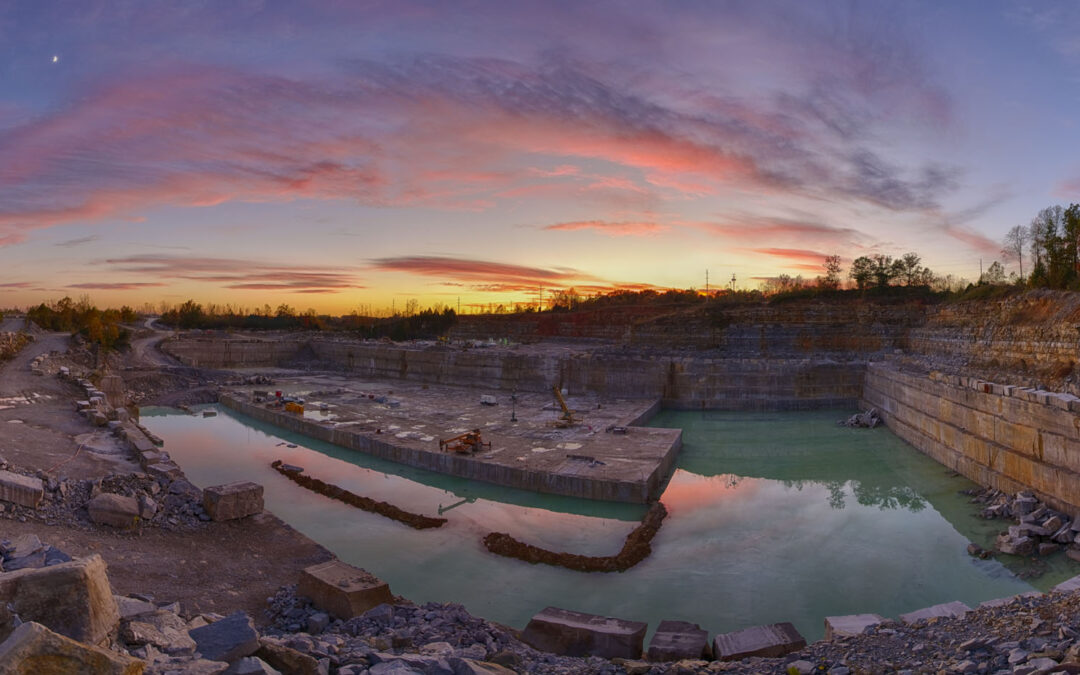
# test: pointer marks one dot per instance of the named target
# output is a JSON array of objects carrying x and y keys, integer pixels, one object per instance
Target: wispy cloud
[
  {"x": 117, "y": 286},
  {"x": 77, "y": 242},
  {"x": 239, "y": 274},
  {"x": 613, "y": 229}
]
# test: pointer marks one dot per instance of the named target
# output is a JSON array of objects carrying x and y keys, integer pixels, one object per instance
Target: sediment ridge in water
[
  {"x": 636, "y": 548},
  {"x": 413, "y": 520}
]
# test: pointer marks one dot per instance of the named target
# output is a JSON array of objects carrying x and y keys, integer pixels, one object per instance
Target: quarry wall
[
  {"x": 1003, "y": 436},
  {"x": 682, "y": 382}
]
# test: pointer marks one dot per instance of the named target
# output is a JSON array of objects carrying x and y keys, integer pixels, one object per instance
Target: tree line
[
  {"x": 1051, "y": 242},
  {"x": 100, "y": 327}
]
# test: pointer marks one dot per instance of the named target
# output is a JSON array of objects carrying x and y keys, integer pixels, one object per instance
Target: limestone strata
[
  {"x": 562, "y": 631},
  {"x": 789, "y": 380},
  {"x": 73, "y": 599},
  {"x": 21, "y": 490},
  {"x": 1006, "y": 437},
  {"x": 233, "y": 500},
  {"x": 341, "y": 589},
  {"x": 33, "y": 649}
]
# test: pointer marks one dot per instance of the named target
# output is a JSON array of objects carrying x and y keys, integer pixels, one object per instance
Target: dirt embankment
[{"x": 636, "y": 548}]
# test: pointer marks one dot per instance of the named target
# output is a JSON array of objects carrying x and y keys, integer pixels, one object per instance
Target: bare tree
[{"x": 1014, "y": 245}]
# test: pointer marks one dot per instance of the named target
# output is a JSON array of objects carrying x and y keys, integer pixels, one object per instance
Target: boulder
[
  {"x": 851, "y": 624},
  {"x": 167, "y": 470},
  {"x": 287, "y": 659},
  {"x": 73, "y": 599},
  {"x": 1068, "y": 586},
  {"x": 130, "y": 608},
  {"x": 20, "y": 546},
  {"x": 569, "y": 633},
  {"x": 678, "y": 640},
  {"x": 341, "y": 589},
  {"x": 252, "y": 665},
  {"x": 1012, "y": 545},
  {"x": 946, "y": 609},
  {"x": 166, "y": 631},
  {"x": 233, "y": 500},
  {"x": 229, "y": 639},
  {"x": 33, "y": 649},
  {"x": 768, "y": 641},
  {"x": 21, "y": 490},
  {"x": 114, "y": 510}
]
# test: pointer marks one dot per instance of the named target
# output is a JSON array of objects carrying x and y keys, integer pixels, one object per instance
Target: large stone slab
[
  {"x": 947, "y": 609},
  {"x": 233, "y": 500},
  {"x": 73, "y": 599},
  {"x": 229, "y": 639},
  {"x": 21, "y": 490},
  {"x": 851, "y": 624},
  {"x": 114, "y": 510},
  {"x": 678, "y": 640},
  {"x": 343, "y": 590},
  {"x": 768, "y": 641},
  {"x": 33, "y": 649},
  {"x": 1068, "y": 586},
  {"x": 569, "y": 633}
]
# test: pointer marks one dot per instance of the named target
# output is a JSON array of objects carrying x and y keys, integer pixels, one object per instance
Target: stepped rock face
[{"x": 73, "y": 599}]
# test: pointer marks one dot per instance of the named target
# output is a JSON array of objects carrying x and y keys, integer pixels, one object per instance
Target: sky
[{"x": 345, "y": 155}]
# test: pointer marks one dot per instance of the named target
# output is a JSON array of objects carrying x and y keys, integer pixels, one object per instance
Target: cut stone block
[
  {"x": 114, "y": 510},
  {"x": 73, "y": 599},
  {"x": 167, "y": 470},
  {"x": 998, "y": 602},
  {"x": 947, "y": 609},
  {"x": 21, "y": 490},
  {"x": 33, "y": 649},
  {"x": 678, "y": 640},
  {"x": 569, "y": 633},
  {"x": 343, "y": 590},
  {"x": 130, "y": 608},
  {"x": 765, "y": 641},
  {"x": 229, "y": 639},
  {"x": 233, "y": 500},
  {"x": 852, "y": 624},
  {"x": 1068, "y": 586},
  {"x": 287, "y": 659}
]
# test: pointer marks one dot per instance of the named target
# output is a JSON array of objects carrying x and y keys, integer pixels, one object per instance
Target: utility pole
[
  {"x": 980, "y": 270},
  {"x": 706, "y": 284},
  {"x": 732, "y": 282}
]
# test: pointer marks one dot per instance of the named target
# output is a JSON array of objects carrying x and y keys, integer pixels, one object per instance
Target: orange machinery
[{"x": 467, "y": 443}]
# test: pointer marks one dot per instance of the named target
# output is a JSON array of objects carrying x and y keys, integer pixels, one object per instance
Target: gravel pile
[{"x": 177, "y": 504}]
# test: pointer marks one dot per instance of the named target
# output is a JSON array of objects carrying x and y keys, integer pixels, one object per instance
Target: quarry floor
[{"x": 523, "y": 429}]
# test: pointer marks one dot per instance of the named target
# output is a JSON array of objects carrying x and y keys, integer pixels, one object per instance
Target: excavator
[
  {"x": 567, "y": 417},
  {"x": 465, "y": 444}
]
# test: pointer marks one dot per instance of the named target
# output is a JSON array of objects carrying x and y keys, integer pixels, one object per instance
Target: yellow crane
[{"x": 567, "y": 417}]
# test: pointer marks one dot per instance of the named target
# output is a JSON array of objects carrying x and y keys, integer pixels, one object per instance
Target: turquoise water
[{"x": 773, "y": 517}]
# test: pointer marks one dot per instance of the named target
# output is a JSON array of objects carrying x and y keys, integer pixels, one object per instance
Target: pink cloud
[{"x": 613, "y": 229}]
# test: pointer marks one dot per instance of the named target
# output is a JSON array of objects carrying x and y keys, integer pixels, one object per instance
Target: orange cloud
[{"x": 617, "y": 229}]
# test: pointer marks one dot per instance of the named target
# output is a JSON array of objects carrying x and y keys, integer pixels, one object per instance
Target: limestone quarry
[{"x": 157, "y": 574}]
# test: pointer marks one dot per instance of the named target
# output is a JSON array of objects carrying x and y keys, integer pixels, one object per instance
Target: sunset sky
[{"x": 341, "y": 154}]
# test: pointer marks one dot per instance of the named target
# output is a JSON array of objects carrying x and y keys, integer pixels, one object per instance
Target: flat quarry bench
[{"x": 603, "y": 455}]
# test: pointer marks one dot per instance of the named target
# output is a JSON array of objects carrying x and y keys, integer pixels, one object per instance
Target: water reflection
[{"x": 756, "y": 533}]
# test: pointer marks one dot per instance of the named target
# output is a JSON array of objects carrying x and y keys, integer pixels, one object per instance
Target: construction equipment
[
  {"x": 465, "y": 444},
  {"x": 294, "y": 407},
  {"x": 567, "y": 417}
]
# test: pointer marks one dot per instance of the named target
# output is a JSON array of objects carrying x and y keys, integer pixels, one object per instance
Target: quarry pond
[{"x": 772, "y": 517}]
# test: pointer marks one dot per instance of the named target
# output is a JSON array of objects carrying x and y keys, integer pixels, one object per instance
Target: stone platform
[{"x": 404, "y": 422}]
